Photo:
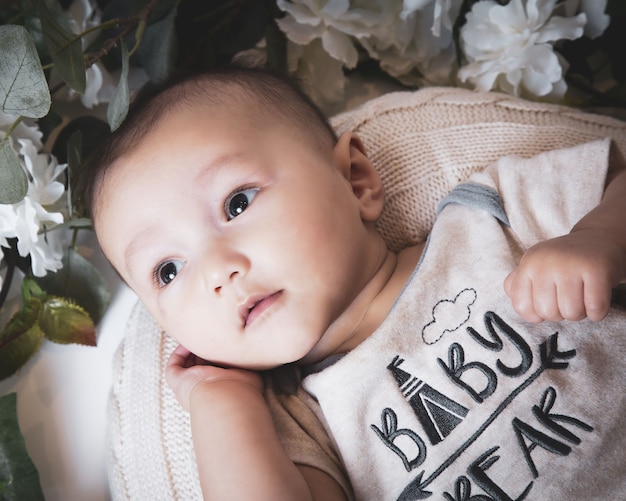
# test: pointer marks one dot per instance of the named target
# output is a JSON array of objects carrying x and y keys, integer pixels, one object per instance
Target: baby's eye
[
  {"x": 166, "y": 272},
  {"x": 238, "y": 202}
]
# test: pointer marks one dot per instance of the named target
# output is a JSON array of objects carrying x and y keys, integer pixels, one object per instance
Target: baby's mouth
[{"x": 255, "y": 306}]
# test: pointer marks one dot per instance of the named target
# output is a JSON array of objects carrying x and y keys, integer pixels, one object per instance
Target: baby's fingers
[
  {"x": 555, "y": 300},
  {"x": 597, "y": 298},
  {"x": 520, "y": 290},
  {"x": 536, "y": 300}
]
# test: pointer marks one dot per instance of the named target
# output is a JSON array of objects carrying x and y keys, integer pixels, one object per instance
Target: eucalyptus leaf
[
  {"x": 64, "y": 322},
  {"x": 118, "y": 107},
  {"x": 157, "y": 51},
  {"x": 80, "y": 281},
  {"x": 23, "y": 86},
  {"x": 64, "y": 48},
  {"x": 19, "y": 479},
  {"x": 20, "y": 338},
  {"x": 13, "y": 180},
  {"x": 74, "y": 154}
]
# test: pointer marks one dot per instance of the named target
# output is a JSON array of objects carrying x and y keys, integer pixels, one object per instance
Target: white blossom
[
  {"x": 334, "y": 23},
  {"x": 26, "y": 220},
  {"x": 416, "y": 44},
  {"x": 321, "y": 75},
  {"x": 510, "y": 47},
  {"x": 34, "y": 212},
  {"x": 597, "y": 19},
  {"x": 8, "y": 222},
  {"x": 23, "y": 129},
  {"x": 80, "y": 16},
  {"x": 412, "y": 39}
]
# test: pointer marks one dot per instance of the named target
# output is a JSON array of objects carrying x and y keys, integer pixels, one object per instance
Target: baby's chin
[{"x": 248, "y": 366}]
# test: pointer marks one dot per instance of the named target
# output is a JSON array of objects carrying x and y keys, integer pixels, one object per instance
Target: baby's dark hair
[{"x": 267, "y": 95}]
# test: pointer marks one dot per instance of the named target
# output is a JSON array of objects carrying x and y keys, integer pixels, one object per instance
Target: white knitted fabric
[{"x": 422, "y": 143}]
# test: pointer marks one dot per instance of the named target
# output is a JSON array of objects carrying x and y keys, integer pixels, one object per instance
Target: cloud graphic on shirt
[{"x": 449, "y": 315}]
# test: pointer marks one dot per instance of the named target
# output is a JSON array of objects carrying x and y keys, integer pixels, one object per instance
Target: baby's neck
[
  {"x": 373, "y": 304},
  {"x": 398, "y": 269}
]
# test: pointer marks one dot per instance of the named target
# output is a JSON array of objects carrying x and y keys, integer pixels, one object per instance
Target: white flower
[
  {"x": 8, "y": 222},
  {"x": 321, "y": 75},
  {"x": 33, "y": 215},
  {"x": 82, "y": 15},
  {"x": 412, "y": 39},
  {"x": 23, "y": 130},
  {"x": 334, "y": 23},
  {"x": 597, "y": 20},
  {"x": 509, "y": 47},
  {"x": 26, "y": 220},
  {"x": 416, "y": 44}
]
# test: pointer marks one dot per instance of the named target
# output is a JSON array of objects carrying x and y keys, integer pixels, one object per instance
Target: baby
[{"x": 484, "y": 364}]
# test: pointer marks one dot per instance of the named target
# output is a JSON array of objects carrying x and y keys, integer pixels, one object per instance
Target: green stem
[
  {"x": 141, "y": 28},
  {"x": 74, "y": 238},
  {"x": 8, "y": 278},
  {"x": 13, "y": 126}
]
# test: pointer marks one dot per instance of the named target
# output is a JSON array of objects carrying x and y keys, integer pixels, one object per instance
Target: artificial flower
[
  {"x": 35, "y": 212},
  {"x": 412, "y": 39},
  {"x": 414, "y": 43},
  {"x": 510, "y": 47},
  {"x": 23, "y": 130},
  {"x": 597, "y": 19},
  {"x": 82, "y": 15},
  {"x": 27, "y": 220},
  {"x": 321, "y": 75},
  {"x": 334, "y": 23}
]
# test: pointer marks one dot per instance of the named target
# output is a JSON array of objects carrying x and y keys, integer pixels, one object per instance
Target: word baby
[{"x": 438, "y": 415}]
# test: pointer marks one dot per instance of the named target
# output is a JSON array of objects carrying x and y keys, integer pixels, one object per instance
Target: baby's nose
[{"x": 223, "y": 266}]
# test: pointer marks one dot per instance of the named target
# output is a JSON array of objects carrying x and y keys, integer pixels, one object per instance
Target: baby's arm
[
  {"x": 237, "y": 450},
  {"x": 571, "y": 277}
]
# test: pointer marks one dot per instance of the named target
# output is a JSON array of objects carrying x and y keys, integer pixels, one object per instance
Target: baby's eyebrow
[
  {"x": 131, "y": 253},
  {"x": 220, "y": 163}
]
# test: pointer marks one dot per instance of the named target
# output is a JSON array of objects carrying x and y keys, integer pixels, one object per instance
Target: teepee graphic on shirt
[{"x": 437, "y": 414}]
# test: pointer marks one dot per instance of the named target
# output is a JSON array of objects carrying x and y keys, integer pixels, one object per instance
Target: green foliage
[
  {"x": 20, "y": 338},
  {"x": 158, "y": 48},
  {"x": 80, "y": 281},
  {"x": 65, "y": 322},
  {"x": 13, "y": 181},
  {"x": 23, "y": 91},
  {"x": 19, "y": 479},
  {"x": 118, "y": 107},
  {"x": 23, "y": 86},
  {"x": 64, "y": 49},
  {"x": 42, "y": 315}
]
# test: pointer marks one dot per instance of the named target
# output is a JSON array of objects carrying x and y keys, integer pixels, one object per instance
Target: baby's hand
[
  {"x": 569, "y": 278},
  {"x": 184, "y": 371}
]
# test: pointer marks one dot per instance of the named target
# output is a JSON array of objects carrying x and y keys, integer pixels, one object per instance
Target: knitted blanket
[{"x": 423, "y": 143}]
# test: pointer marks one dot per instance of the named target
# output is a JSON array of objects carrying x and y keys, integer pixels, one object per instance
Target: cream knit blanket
[{"x": 423, "y": 143}]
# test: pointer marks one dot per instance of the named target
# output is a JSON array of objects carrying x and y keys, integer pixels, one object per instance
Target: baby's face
[{"x": 245, "y": 245}]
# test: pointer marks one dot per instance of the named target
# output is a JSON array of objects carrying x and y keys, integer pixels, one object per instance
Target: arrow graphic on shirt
[{"x": 551, "y": 358}]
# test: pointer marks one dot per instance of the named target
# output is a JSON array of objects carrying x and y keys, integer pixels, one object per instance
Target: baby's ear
[{"x": 351, "y": 159}]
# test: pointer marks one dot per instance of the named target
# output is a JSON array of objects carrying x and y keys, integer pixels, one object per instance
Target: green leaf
[
  {"x": 80, "y": 281},
  {"x": 13, "y": 180},
  {"x": 23, "y": 86},
  {"x": 65, "y": 49},
  {"x": 157, "y": 51},
  {"x": 118, "y": 107},
  {"x": 31, "y": 289},
  {"x": 19, "y": 479},
  {"x": 20, "y": 339},
  {"x": 74, "y": 154},
  {"x": 63, "y": 321}
]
